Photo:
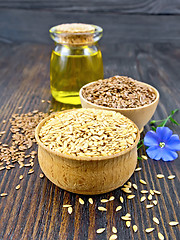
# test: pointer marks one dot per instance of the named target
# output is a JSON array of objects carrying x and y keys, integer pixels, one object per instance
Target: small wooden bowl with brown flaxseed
[
  {"x": 87, "y": 151},
  {"x": 134, "y": 99}
]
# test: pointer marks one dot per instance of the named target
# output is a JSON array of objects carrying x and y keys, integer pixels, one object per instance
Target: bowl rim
[
  {"x": 80, "y": 158},
  {"x": 121, "y": 109}
]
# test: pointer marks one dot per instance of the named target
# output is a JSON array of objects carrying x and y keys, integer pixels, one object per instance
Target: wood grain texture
[
  {"x": 21, "y": 25},
  {"x": 115, "y": 6},
  {"x": 35, "y": 211}
]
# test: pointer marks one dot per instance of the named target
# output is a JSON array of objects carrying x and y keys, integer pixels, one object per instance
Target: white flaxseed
[
  {"x": 142, "y": 181},
  {"x": 156, "y": 220},
  {"x": 114, "y": 229},
  {"x": 70, "y": 210},
  {"x": 170, "y": 177},
  {"x": 160, "y": 236},
  {"x": 100, "y": 230},
  {"x": 160, "y": 176},
  {"x": 90, "y": 200},
  {"x": 103, "y": 209},
  {"x": 135, "y": 228},
  {"x": 173, "y": 223},
  {"x": 148, "y": 230},
  {"x": 118, "y": 208},
  {"x": 81, "y": 201}
]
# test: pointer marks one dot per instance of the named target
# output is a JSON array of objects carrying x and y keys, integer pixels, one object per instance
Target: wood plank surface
[
  {"x": 27, "y": 25},
  {"x": 103, "y": 6},
  {"x": 35, "y": 210}
]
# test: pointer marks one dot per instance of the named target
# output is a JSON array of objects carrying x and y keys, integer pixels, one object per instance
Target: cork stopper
[
  {"x": 74, "y": 33},
  {"x": 75, "y": 28}
]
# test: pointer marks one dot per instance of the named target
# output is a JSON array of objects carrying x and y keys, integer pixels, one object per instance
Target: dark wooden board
[
  {"x": 115, "y": 6},
  {"x": 35, "y": 210},
  {"x": 27, "y": 25}
]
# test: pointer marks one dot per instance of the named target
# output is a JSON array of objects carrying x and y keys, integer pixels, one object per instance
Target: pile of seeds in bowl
[
  {"x": 119, "y": 92},
  {"x": 88, "y": 132}
]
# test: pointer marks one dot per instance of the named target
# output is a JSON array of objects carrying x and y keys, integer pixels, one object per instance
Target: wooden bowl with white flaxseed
[
  {"x": 134, "y": 99},
  {"x": 87, "y": 151}
]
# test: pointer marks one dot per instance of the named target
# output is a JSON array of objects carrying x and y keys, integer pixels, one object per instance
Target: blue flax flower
[{"x": 162, "y": 144}]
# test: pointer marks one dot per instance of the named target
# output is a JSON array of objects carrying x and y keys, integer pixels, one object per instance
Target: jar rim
[
  {"x": 98, "y": 29},
  {"x": 76, "y": 38}
]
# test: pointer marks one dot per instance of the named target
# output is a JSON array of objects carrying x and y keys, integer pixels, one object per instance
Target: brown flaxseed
[
  {"x": 23, "y": 131},
  {"x": 118, "y": 92}
]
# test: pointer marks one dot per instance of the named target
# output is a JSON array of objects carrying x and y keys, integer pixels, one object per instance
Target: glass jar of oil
[{"x": 75, "y": 61}]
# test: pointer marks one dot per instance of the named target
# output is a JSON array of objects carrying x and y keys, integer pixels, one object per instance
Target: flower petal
[
  {"x": 157, "y": 153},
  {"x": 154, "y": 152},
  {"x": 168, "y": 155},
  {"x": 173, "y": 143},
  {"x": 151, "y": 139},
  {"x": 164, "y": 133}
]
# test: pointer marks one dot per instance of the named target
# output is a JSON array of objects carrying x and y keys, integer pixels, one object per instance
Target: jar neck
[
  {"x": 73, "y": 46},
  {"x": 65, "y": 49}
]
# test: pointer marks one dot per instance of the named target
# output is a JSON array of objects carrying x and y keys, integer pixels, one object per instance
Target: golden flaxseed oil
[{"x": 71, "y": 68}]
